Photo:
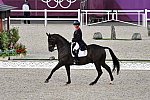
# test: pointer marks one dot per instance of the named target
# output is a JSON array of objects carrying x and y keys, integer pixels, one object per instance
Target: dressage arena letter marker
[{"x": 58, "y": 3}]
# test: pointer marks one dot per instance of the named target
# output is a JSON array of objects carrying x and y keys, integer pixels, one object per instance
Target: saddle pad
[{"x": 81, "y": 53}]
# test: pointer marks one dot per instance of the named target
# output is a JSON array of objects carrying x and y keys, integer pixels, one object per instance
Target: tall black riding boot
[{"x": 76, "y": 59}]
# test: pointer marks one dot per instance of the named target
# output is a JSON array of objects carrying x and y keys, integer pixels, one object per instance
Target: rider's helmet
[{"x": 76, "y": 23}]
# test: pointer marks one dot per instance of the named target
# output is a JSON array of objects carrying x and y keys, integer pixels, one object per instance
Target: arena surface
[{"x": 28, "y": 84}]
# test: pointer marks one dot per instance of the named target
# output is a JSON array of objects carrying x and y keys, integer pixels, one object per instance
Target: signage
[{"x": 59, "y": 3}]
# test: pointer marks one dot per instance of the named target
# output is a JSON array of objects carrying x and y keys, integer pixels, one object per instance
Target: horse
[{"x": 96, "y": 54}]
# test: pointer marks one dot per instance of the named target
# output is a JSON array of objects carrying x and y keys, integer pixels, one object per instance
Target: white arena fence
[
  {"x": 82, "y": 16},
  {"x": 137, "y": 13},
  {"x": 145, "y": 16},
  {"x": 45, "y": 18},
  {"x": 114, "y": 16},
  {"x": 124, "y": 65},
  {"x": 100, "y": 12}
]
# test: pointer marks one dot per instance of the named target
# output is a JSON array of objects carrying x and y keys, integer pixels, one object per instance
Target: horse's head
[{"x": 51, "y": 42}]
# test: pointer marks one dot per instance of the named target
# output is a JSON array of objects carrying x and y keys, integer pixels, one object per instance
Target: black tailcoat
[{"x": 77, "y": 37}]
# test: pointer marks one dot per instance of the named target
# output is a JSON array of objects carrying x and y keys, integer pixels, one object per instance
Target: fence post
[
  {"x": 108, "y": 16},
  {"x": 113, "y": 16},
  {"x": 45, "y": 14},
  {"x": 116, "y": 15},
  {"x": 81, "y": 19},
  {"x": 86, "y": 18},
  {"x": 79, "y": 15},
  {"x": 139, "y": 18},
  {"x": 145, "y": 17}
]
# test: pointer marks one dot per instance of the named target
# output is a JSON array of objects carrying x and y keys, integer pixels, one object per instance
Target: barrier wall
[{"x": 96, "y": 5}]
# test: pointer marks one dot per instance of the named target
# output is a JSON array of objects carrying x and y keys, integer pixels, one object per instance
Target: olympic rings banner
[{"x": 58, "y": 3}]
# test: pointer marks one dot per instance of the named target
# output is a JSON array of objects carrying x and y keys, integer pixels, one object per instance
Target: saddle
[{"x": 75, "y": 46}]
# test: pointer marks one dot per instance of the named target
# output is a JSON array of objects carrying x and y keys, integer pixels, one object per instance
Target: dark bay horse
[{"x": 96, "y": 55}]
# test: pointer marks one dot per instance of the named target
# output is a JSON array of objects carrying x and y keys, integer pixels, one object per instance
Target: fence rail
[
  {"x": 51, "y": 64},
  {"x": 45, "y": 18},
  {"x": 87, "y": 12},
  {"x": 81, "y": 13},
  {"x": 133, "y": 12},
  {"x": 114, "y": 15}
]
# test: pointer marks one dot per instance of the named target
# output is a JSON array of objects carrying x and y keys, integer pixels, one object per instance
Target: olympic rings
[{"x": 58, "y": 2}]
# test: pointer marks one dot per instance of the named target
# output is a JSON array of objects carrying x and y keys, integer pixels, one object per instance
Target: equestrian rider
[{"x": 77, "y": 38}]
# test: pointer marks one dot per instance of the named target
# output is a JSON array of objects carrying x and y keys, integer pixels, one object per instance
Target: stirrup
[{"x": 75, "y": 61}]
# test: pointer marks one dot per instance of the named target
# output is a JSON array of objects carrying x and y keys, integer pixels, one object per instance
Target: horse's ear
[{"x": 48, "y": 34}]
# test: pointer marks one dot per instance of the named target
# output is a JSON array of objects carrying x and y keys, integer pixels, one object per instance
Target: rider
[{"x": 77, "y": 38}]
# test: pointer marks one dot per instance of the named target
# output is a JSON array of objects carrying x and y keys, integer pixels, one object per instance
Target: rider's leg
[{"x": 76, "y": 58}]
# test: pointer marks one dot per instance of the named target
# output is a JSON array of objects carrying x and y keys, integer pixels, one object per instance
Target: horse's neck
[
  {"x": 63, "y": 47},
  {"x": 62, "y": 44}
]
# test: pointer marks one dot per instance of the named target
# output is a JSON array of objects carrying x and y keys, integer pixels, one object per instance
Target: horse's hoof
[
  {"x": 46, "y": 81},
  {"x": 68, "y": 82},
  {"x": 111, "y": 83}
]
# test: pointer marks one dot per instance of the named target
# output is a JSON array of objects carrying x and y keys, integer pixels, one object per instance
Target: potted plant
[{"x": 8, "y": 44}]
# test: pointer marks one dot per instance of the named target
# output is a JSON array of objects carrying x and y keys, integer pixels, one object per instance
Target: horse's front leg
[
  {"x": 68, "y": 73},
  {"x": 53, "y": 70}
]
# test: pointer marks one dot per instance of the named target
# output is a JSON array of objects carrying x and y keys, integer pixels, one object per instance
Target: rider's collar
[{"x": 77, "y": 28}]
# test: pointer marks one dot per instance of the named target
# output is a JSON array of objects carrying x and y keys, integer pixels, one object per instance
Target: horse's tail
[{"x": 115, "y": 60}]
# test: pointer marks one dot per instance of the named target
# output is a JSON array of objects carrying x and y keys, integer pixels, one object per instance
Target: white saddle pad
[{"x": 81, "y": 53}]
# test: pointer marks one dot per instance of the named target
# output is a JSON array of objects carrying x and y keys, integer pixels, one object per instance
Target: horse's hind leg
[
  {"x": 99, "y": 71},
  {"x": 109, "y": 71},
  {"x": 68, "y": 73}
]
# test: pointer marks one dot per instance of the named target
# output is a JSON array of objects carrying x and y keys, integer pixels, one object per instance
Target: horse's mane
[{"x": 60, "y": 37}]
